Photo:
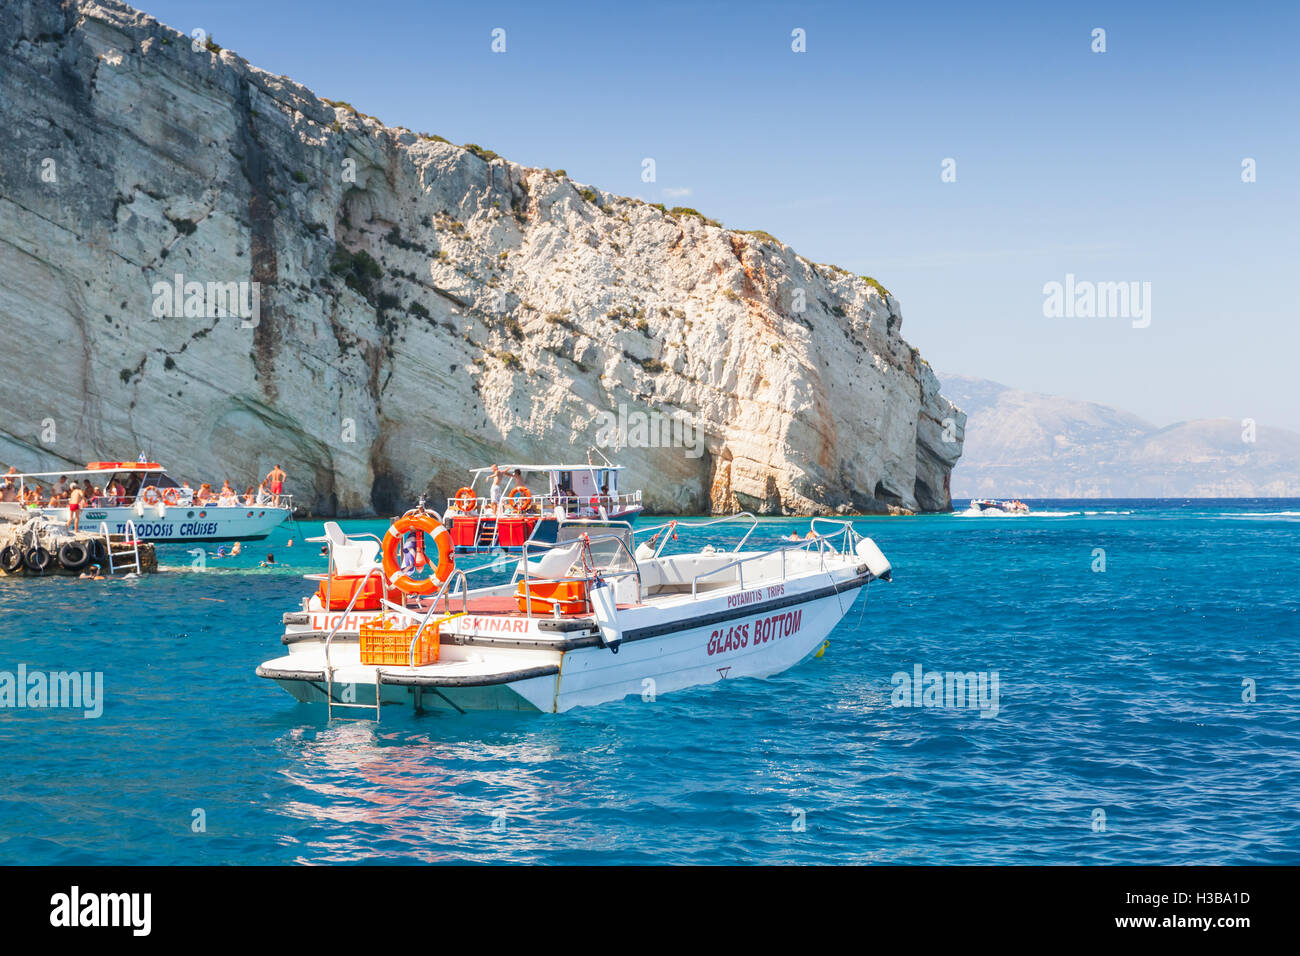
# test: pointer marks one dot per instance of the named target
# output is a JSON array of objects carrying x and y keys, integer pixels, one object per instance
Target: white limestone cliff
[{"x": 424, "y": 308}]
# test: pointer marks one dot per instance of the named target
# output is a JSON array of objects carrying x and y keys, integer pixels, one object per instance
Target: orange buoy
[
  {"x": 466, "y": 499},
  {"x": 521, "y": 499},
  {"x": 150, "y": 495},
  {"x": 424, "y": 524}
]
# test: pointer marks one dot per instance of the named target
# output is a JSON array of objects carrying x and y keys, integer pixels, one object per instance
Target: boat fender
[
  {"x": 644, "y": 551},
  {"x": 74, "y": 555},
  {"x": 601, "y": 596},
  {"x": 877, "y": 563},
  {"x": 37, "y": 560},
  {"x": 11, "y": 559}
]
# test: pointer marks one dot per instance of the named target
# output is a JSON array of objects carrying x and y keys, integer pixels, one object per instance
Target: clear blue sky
[{"x": 1115, "y": 166}]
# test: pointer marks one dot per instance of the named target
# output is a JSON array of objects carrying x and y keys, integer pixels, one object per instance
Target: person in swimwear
[
  {"x": 494, "y": 492},
  {"x": 275, "y": 481},
  {"x": 75, "y": 500}
]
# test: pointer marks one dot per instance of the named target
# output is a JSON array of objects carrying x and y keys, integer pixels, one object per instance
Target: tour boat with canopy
[
  {"x": 153, "y": 506},
  {"x": 580, "y": 495},
  {"x": 592, "y": 617}
]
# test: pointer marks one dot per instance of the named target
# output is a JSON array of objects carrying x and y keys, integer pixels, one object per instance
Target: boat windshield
[{"x": 611, "y": 547}]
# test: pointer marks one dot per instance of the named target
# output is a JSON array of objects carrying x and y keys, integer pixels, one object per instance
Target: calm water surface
[{"x": 1120, "y": 693}]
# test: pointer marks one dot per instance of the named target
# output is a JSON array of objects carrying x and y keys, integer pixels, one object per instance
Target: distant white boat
[{"x": 1013, "y": 507}]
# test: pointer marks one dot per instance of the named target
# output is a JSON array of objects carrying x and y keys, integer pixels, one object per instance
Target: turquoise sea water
[{"x": 1120, "y": 693}]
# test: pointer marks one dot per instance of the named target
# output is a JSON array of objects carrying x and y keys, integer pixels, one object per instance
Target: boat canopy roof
[
  {"x": 547, "y": 468},
  {"x": 152, "y": 467}
]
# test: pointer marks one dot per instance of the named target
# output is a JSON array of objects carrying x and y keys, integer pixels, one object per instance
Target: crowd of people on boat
[{"x": 116, "y": 492}]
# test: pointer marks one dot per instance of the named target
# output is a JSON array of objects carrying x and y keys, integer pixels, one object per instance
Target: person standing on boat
[
  {"x": 494, "y": 493},
  {"x": 276, "y": 481},
  {"x": 75, "y": 500}
]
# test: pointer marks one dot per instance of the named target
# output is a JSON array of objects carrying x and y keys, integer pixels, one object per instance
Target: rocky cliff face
[{"x": 404, "y": 308}]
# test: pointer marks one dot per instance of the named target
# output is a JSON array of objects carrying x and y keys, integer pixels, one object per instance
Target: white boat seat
[
  {"x": 350, "y": 557},
  {"x": 675, "y": 574},
  {"x": 555, "y": 563}
]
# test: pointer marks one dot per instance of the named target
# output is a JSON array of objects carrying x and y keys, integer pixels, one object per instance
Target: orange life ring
[
  {"x": 152, "y": 490},
  {"x": 171, "y": 496},
  {"x": 466, "y": 499},
  {"x": 426, "y": 524},
  {"x": 521, "y": 499}
]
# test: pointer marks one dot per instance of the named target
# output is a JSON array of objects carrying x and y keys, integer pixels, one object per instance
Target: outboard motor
[
  {"x": 601, "y": 596},
  {"x": 875, "y": 559}
]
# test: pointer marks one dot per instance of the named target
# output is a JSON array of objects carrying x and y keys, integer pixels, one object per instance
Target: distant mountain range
[{"x": 1029, "y": 445}]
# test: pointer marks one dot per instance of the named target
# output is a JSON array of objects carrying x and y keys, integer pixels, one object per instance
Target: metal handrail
[
  {"x": 529, "y": 580},
  {"x": 329, "y": 639},
  {"x": 428, "y": 616},
  {"x": 329, "y": 554},
  {"x": 819, "y": 540},
  {"x": 724, "y": 519},
  {"x": 541, "y": 502},
  {"x": 108, "y": 545},
  {"x": 851, "y": 535}
]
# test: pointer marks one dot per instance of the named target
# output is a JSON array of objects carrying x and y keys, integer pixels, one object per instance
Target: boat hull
[
  {"x": 179, "y": 524},
  {"x": 522, "y": 671}
]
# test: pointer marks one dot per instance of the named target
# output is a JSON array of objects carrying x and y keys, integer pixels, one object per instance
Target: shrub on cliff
[
  {"x": 484, "y": 154},
  {"x": 876, "y": 285},
  {"x": 358, "y": 269}
]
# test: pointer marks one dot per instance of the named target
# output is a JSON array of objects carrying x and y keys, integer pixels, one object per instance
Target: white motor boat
[
  {"x": 154, "y": 507},
  {"x": 583, "y": 621}
]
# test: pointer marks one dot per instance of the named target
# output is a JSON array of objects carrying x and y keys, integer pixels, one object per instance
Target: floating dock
[{"x": 39, "y": 547}]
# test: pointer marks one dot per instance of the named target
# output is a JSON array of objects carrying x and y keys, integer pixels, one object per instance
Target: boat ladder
[
  {"x": 132, "y": 538},
  {"x": 330, "y": 702}
]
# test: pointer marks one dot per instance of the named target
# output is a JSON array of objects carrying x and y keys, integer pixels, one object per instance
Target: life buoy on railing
[
  {"x": 171, "y": 496},
  {"x": 466, "y": 499},
  {"x": 424, "y": 524},
  {"x": 150, "y": 495},
  {"x": 521, "y": 499}
]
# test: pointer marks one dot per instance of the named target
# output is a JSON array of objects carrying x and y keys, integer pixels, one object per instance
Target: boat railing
[
  {"x": 330, "y": 702},
  {"x": 850, "y": 534},
  {"x": 529, "y": 580},
  {"x": 329, "y": 555},
  {"x": 672, "y": 526},
  {"x": 823, "y": 542},
  {"x": 540, "y": 505},
  {"x": 433, "y": 608}
]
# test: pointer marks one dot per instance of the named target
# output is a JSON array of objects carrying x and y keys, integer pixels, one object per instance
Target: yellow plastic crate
[{"x": 383, "y": 642}]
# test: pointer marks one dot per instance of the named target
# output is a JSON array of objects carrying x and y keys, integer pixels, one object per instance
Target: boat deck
[{"x": 490, "y": 604}]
